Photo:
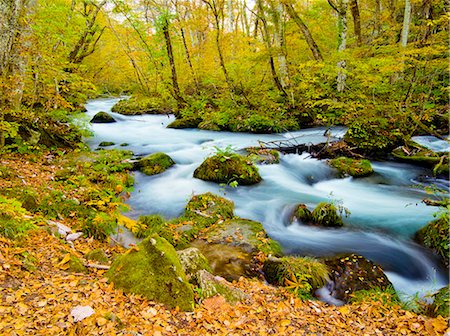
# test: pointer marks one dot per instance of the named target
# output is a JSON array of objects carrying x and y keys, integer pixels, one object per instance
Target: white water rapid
[{"x": 386, "y": 208}]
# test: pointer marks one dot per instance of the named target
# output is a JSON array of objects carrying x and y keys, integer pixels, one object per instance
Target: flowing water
[{"x": 386, "y": 208}]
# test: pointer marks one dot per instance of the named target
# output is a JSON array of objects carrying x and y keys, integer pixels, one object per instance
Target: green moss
[
  {"x": 184, "y": 123},
  {"x": 106, "y": 144},
  {"x": 263, "y": 155},
  {"x": 155, "y": 163},
  {"x": 416, "y": 154},
  {"x": 193, "y": 261},
  {"x": 279, "y": 271},
  {"x": 441, "y": 304},
  {"x": 211, "y": 286},
  {"x": 326, "y": 214},
  {"x": 97, "y": 255},
  {"x": 226, "y": 169},
  {"x": 149, "y": 224},
  {"x": 301, "y": 213},
  {"x": 435, "y": 236},
  {"x": 209, "y": 206},
  {"x": 13, "y": 224},
  {"x": 75, "y": 265},
  {"x": 154, "y": 271},
  {"x": 137, "y": 105},
  {"x": 102, "y": 118},
  {"x": 352, "y": 167}
]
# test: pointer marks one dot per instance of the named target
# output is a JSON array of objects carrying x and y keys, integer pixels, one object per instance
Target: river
[{"x": 385, "y": 208}]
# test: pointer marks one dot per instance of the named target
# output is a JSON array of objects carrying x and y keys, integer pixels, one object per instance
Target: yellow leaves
[
  {"x": 344, "y": 310},
  {"x": 130, "y": 224},
  {"x": 63, "y": 264},
  {"x": 436, "y": 326}
]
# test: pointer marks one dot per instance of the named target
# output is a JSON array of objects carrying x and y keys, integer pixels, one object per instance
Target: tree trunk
[
  {"x": 91, "y": 35},
  {"x": 305, "y": 31},
  {"x": 216, "y": 13},
  {"x": 168, "y": 42},
  {"x": 406, "y": 23},
  {"x": 266, "y": 39},
  {"x": 356, "y": 21},
  {"x": 188, "y": 57},
  {"x": 11, "y": 62},
  {"x": 342, "y": 43}
]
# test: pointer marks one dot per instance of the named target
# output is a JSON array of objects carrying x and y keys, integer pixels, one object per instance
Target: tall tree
[
  {"x": 304, "y": 29},
  {"x": 90, "y": 35},
  {"x": 406, "y": 23},
  {"x": 341, "y": 9},
  {"x": 354, "y": 8}
]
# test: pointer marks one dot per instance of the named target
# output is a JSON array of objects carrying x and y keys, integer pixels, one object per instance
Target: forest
[{"x": 239, "y": 167}]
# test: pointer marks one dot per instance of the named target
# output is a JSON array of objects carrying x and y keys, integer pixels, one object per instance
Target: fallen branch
[{"x": 102, "y": 267}]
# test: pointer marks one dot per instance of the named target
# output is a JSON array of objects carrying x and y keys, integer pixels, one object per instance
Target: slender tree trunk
[
  {"x": 216, "y": 13},
  {"x": 356, "y": 21},
  {"x": 281, "y": 46},
  {"x": 406, "y": 23},
  {"x": 377, "y": 23},
  {"x": 266, "y": 39},
  {"x": 169, "y": 49},
  {"x": 342, "y": 43},
  {"x": 305, "y": 31}
]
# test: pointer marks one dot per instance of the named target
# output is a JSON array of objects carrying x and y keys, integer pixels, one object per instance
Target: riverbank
[{"x": 39, "y": 291}]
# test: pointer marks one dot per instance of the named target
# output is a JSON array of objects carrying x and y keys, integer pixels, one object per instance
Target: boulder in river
[
  {"x": 352, "y": 273},
  {"x": 351, "y": 167},
  {"x": 435, "y": 236},
  {"x": 184, "y": 122},
  {"x": 224, "y": 168},
  {"x": 155, "y": 163},
  {"x": 102, "y": 118},
  {"x": 152, "y": 269},
  {"x": 210, "y": 207},
  {"x": 326, "y": 214},
  {"x": 301, "y": 213}
]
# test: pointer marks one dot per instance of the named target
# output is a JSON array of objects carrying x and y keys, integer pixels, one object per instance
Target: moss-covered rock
[
  {"x": 352, "y": 273},
  {"x": 97, "y": 255},
  {"x": 155, "y": 163},
  {"x": 209, "y": 206},
  {"x": 326, "y": 214},
  {"x": 441, "y": 303},
  {"x": 226, "y": 169},
  {"x": 193, "y": 261},
  {"x": 102, "y": 118},
  {"x": 211, "y": 285},
  {"x": 263, "y": 155},
  {"x": 73, "y": 264},
  {"x": 352, "y": 167},
  {"x": 106, "y": 144},
  {"x": 153, "y": 270},
  {"x": 302, "y": 214},
  {"x": 280, "y": 271},
  {"x": 138, "y": 105},
  {"x": 245, "y": 233},
  {"x": 184, "y": 123},
  {"x": 435, "y": 236}
]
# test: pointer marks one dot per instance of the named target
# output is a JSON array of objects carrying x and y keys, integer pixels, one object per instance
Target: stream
[{"x": 385, "y": 208}]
